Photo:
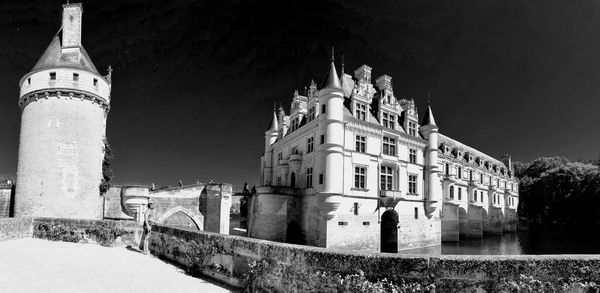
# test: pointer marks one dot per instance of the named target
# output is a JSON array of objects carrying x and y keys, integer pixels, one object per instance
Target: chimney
[
  {"x": 71, "y": 25},
  {"x": 506, "y": 159},
  {"x": 384, "y": 82},
  {"x": 363, "y": 73}
]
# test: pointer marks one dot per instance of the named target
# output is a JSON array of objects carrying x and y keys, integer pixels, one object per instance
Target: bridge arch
[{"x": 178, "y": 212}]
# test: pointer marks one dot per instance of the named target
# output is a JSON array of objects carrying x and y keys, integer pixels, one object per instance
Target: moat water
[{"x": 525, "y": 242}]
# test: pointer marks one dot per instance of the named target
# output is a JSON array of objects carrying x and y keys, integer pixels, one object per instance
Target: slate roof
[{"x": 54, "y": 57}]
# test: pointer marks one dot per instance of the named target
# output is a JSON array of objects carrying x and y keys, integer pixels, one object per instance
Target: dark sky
[{"x": 195, "y": 81}]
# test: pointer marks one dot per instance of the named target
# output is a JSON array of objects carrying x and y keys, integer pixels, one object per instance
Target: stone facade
[
  {"x": 6, "y": 197},
  {"x": 351, "y": 152},
  {"x": 64, "y": 102},
  {"x": 199, "y": 206}
]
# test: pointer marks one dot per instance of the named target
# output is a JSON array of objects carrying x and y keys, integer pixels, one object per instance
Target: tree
[{"x": 107, "y": 174}]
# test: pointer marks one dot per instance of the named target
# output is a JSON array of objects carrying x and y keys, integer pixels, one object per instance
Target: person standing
[{"x": 148, "y": 222}]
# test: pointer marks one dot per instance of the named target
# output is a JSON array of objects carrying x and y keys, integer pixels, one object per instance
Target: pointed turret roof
[
  {"x": 274, "y": 124},
  {"x": 55, "y": 57},
  {"x": 333, "y": 81},
  {"x": 428, "y": 118}
]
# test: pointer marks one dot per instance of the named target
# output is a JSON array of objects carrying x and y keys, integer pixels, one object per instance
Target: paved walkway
[{"x": 35, "y": 265}]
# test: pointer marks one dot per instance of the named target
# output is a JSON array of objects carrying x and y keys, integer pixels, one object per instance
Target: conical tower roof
[
  {"x": 55, "y": 57},
  {"x": 333, "y": 81},
  {"x": 274, "y": 125},
  {"x": 428, "y": 118}
]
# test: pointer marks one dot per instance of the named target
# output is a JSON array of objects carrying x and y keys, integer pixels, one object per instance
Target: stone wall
[
  {"x": 11, "y": 228},
  {"x": 280, "y": 267}
]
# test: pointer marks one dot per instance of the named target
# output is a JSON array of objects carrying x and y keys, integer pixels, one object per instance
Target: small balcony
[
  {"x": 390, "y": 193},
  {"x": 296, "y": 157}
]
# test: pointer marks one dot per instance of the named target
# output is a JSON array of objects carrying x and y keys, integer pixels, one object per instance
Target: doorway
[{"x": 389, "y": 231}]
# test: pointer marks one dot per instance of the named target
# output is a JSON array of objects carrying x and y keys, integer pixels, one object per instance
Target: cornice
[{"x": 62, "y": 93}]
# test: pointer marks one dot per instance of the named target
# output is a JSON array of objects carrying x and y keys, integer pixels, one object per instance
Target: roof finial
[
  {"x": 428, "y": 98},
  {"x": 110, "y": 70},
  {"x": 332, "y": 54}
]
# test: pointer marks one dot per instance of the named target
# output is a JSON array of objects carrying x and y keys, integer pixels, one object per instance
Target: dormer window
[
  {"x": 311, "y": 114},
  {"x": 95, "y": 82},
  {"x": 360, "y": 111},
  {"x": 29, "y": 80},
  {"x": 412, "y": 128},
  {"x": 75, "y": 76},
  {"x": 388, "y": 120},
  {"x": 52, "y": 75}
]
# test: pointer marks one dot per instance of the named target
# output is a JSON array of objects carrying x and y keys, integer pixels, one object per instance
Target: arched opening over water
[
  {"x": 293, "y": 180},
  {"x": 389, "y": 231}
]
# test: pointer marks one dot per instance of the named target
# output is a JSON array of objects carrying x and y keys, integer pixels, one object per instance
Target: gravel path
[{"x": 35, "y": 265}]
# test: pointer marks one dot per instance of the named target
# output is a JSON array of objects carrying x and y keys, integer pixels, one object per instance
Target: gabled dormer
[
  {"x": 410, "y": 117},
  {"x": 298, "y": 110},
  {"x": 388, "y": 108},
  {"x": 313, "y": 102},
  {"x": 362, "y": 94}
]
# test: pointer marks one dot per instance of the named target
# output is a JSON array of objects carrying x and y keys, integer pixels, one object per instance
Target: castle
[
  {"x": 65, "y": 102},
  {"x": 351, "y": 167}
]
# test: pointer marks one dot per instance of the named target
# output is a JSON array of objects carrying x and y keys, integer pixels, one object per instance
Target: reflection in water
[{"x": 520, "y": 243}]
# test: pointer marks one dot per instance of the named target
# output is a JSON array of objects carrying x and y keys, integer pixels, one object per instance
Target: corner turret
[{"x": 429, "y": 131}]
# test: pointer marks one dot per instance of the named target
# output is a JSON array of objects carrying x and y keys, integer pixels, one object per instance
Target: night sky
[{"x": 195, "y": 81}]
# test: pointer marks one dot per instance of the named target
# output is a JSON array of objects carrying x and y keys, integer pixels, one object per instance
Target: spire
[
  {"x": 274, "y": 125},
  {"x": 333, "y": 81},
  {"x": 428, "y": 118}
]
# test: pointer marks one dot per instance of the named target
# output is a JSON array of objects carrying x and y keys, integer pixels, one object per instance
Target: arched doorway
[
  {"x": 293, "y": 180},
  {"x": 389, "y": 231}
]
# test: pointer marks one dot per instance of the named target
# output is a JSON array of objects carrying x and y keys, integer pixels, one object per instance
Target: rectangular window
[
  {"x": 360, "y": 177},
  {"x": 389, "y": 146},
  {"x": 388, "y": 120},
  {"x": 447, "y": 169},
  {"x": 52, "y": 75},
  {"x": 475, "y": 196},
  {"x": 356, "y": 209},
  {"x": 323, "y": 108},
  {"x": 412, "y": 184},
  {"x": 322, "y": 138},
  {"x": 95, "y": 82},
  {"x": 75, "y": 76},
  {"x": 321, "y": 178},
  {"x": 459, "y": 193},
  {"x": 280, "y": 156},
  {"x": 309, "y": 182},
  {"x": 387, "y": 177},
  {"x": 459, "y": 173},
  {"x": 361, "y": 143},
  {"x": 481, "y": 196},
  {"x": 412, "y": 128},
  {"x": 361, "y": 111},
  {"x": 278, "y": 180},
  {"x": 412, "y": 156},
  {"x": 416, "y": 213},
  {"x": 311, "y": 114},
  {"x": 310, "y": 145}
]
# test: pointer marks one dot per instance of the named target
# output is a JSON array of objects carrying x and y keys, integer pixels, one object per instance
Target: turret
[
  {"x": 331, "y": 98},
  {"x": 64, "y": 103},
  {"x": 429, "y": 131},
  {"x": 270, "y": 138}
]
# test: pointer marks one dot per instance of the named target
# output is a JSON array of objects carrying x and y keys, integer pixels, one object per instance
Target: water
[{"x": 526, "y": 242}]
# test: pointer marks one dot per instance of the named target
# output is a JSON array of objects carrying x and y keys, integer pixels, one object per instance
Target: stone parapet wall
[{"x": 280, "y": 267}]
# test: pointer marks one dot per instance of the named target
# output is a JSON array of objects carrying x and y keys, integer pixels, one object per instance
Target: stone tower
[
  {"x": 429, "y": 130},
  {"x": 64, "y": 103}
]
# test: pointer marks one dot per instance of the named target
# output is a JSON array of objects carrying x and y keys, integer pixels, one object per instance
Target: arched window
[{"x": 451, "y": 191}]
